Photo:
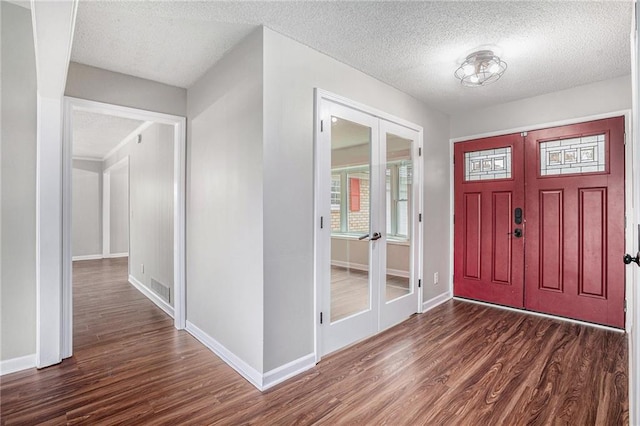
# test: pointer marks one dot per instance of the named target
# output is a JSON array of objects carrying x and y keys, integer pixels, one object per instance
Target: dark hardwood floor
[{"x": 459, "y": 364}]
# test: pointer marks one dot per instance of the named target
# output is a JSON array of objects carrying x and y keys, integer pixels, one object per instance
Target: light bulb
[
  {"x": 468, "y": 69},
  {"x": 473, "y": 79},
  {"x": 494, "y": 68}
]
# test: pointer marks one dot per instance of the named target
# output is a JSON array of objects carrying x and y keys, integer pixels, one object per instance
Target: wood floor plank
[{"x": 459, "y": 364}]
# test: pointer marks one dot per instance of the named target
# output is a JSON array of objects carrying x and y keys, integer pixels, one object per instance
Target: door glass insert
[
  {"x": 398, "y": 187},
  {"x": 574, "y": 155},
  {"x": 350, "y": 218},
  {"x": 487, "y": 164}
]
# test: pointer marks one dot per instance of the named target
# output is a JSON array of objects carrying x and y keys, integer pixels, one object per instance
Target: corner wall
[
  {"x": 291, "y": 72},
  {"x": 18, "y": 180},
  {"x": 224, "y": 205}
]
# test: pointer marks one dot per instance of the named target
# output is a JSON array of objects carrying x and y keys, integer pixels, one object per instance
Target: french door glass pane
[
  {"x": 399, "y": 181},
  {"x": 350, "y": 218}
]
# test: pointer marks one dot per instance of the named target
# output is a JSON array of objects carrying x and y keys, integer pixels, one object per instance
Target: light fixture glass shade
[{"x": 480, "y": 68}]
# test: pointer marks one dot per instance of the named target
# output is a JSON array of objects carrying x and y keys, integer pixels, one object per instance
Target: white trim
[
  {"x": 116, "y": 255},
  {"x": 436, "y": 301},
  {"x": 99, "y": 160},
  {"x": 324, "y": 94},
  {"x": 319, "y": 249},
  {"x": 539, "y": 314},
  {"x": 106, "y": 212},
  {"x": 141, "y": 128},
  {"x": 87, "y": 257},
  {"x": 168, "y": 309},
  {"x": 245, "y": 370},
  {"x": 13, "y": 365},
  {"x": 179, "y": 125},
  {"x": 532, "y": 127},
  {"x": 633, "y": 221},
  {"x": 285, "y": 372}
]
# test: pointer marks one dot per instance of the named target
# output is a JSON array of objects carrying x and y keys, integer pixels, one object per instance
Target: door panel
[
  {"x": 399, "y": 253},
  {"x": 575, "y": 221},
  {"x": 348, "y": 271},
  {"x": 489, "y": 253}
]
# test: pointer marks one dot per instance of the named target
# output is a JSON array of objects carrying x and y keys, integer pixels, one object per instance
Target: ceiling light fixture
[{"x": 480, "y": 68}]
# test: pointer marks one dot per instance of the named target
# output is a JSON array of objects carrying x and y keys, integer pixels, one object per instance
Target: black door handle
[
  {"x": 627, "y": 259},
  {"x": 363, "y": 237},
  {"x": 516, "y": 233},
  {"x": 376, "y": 236}
]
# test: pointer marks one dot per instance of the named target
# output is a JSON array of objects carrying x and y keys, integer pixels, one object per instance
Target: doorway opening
[{"x": 123, "y": 209}]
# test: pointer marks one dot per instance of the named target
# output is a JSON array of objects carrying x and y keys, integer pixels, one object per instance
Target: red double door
[{"x": 539, "y": 221}]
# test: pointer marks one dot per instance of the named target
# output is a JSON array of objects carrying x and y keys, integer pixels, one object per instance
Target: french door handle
[
  {"x": 363, "y": 237},
  {"x": 376, "y": 236}
]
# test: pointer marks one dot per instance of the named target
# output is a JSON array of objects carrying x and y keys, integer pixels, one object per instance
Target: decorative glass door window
[
  {"x": 487, "y": 164},
  {"x": 571, "y": 156}
]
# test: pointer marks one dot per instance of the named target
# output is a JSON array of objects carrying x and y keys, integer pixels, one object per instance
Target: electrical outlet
[
  {"x": 435, "y": 278},
  {"x": 142, "y": 268}
]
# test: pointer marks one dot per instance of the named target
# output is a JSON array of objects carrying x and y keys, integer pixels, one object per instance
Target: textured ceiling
[
  {"x": 95, "y": 135},
  {"x": 413, "y": 46}
]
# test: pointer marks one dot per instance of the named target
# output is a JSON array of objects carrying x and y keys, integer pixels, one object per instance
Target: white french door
[{"x": 368, "y": 206}]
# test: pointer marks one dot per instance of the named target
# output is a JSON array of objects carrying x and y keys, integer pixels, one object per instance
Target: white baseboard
[
  {"x": 284, "y": 372},
  {"x": 13, "y": 365},
  {"x": 438, "y": 300},
  {"x": 361, "y": 267},
  {"x": 252, "y": 375},
  {"x": 114, "y": 255},
  {"x": 87, "y": 257},
  {"x": 261, "y": 381},
  {"x": 151, "y": 296}
]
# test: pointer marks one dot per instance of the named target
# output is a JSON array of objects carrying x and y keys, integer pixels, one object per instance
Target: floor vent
[{"x": 161, "y": 290}]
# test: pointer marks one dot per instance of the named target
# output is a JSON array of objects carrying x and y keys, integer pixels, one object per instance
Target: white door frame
[
  {"x": 179, "y": 205},
  {"x": 321, "y": 95}
]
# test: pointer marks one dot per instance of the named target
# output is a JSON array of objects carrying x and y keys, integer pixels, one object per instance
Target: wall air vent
[{"x": 161, "y": 290}]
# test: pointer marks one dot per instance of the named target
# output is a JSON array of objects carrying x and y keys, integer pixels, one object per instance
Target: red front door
[
  {"x": 575, "y": 221},
  {"x": 560, "y": 254},
  {"x": 489, "y": 179}
]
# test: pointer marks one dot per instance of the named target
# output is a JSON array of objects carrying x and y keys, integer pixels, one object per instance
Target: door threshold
[{"x": 539, "y": 314}]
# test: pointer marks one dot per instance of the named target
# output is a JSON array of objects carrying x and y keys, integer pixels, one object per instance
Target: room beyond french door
[
  {"x": 368, "y": 260},
  {"x": 539, "y": 221}
]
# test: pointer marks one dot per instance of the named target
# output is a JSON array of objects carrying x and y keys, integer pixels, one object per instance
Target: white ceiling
[
  {"x": 95, "y": 135},
  {"x": 414, "y": 46}
]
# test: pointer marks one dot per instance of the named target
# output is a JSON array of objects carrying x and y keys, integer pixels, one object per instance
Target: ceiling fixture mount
[{"x": 481, "y": 68}]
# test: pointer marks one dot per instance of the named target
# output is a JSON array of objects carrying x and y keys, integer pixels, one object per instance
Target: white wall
[
  {"x": 18, "y": 180},
  {"x": 224, "y": 202},
  {"x": 100, "y": 85},
  {"x": 119, "y": 211},
  {"x": 291, "y": 72},
  {"x": 590, "y": 99},
  {"x": 86, "y": 211},
  {"x": 150, "y": 204}
]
